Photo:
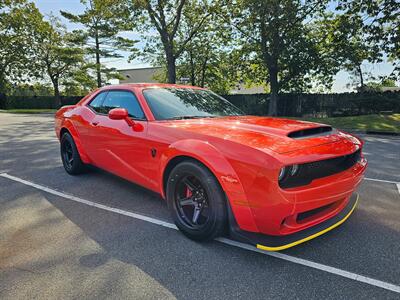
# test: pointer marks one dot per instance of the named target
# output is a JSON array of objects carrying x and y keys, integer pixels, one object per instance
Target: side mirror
[
  {"x": 122, "y": 114},
  {"x": 118, "y": 114}
]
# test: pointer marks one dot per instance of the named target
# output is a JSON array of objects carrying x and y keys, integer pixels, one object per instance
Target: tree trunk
[
  {"x": 359, "y": 70},
  {"x": 271, "y": 63},
  {"x": 171, "y": 68},
  {"x": 203, "y": 71},
  {"x": 56, "y": 92},
  {"x": 98, "y": 66},
  {"x": 3, "y": 96},
  {"x": 192, "y": 69},
  {"x": 273, "y": 80}
]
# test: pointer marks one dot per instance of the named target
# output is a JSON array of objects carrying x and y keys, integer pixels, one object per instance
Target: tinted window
[
  {"x": 176, "y": 103},
  {"x": 125, "y": 100},
  {"x": 95, "y": 104}
]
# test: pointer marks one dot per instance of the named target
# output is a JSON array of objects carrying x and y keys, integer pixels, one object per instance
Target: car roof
[{"x": 148, "y": 85}]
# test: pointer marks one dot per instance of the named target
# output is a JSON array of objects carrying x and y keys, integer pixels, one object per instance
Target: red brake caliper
[{"x": 188, "y": 192}]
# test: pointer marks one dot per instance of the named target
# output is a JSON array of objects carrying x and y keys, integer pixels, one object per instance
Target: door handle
[{"x": 95, "y": 123}]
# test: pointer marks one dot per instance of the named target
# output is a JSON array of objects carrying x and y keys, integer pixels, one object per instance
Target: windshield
[{"x": 186, "y": 103}]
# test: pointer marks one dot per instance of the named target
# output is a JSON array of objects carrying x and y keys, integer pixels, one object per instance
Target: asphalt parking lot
[{"x": 88, "y": 236}]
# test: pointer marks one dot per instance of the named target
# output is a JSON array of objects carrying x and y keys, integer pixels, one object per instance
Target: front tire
[
  {"x": 70, "y": 157},
  {"x": 196, "y": 201}
]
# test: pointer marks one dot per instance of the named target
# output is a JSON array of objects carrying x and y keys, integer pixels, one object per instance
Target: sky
[{"x": 342, "y": 79}]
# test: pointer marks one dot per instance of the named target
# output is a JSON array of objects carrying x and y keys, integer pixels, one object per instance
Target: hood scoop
[{"x": 311, "y": 132}]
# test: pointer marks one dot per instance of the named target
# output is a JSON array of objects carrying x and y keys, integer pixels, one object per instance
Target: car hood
[{"x": 264, "y": 133}]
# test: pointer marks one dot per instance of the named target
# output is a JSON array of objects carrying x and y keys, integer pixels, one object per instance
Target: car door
[
  {"x": 86, "y": 125},
  {"x": 120, "y": 148}
]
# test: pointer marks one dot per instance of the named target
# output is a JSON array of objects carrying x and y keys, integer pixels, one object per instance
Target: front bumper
[{"x": 277, "y": 243}]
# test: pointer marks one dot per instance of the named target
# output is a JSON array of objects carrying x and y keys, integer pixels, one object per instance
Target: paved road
[{"x": 52, "y": 247}]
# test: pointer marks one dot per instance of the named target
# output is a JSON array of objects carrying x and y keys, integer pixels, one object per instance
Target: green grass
[
  {"x": 382, "y": 123},
  {"x": 29, "y": 111}
]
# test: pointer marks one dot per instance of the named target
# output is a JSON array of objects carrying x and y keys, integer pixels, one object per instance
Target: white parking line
[
  {"x": 381, "y": 180},
  {"x": 385, "y": 181},
  {"x": 293, "y": 259}
]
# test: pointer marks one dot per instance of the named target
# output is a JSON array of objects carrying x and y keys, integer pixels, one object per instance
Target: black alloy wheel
[
  {"x": 67, "y": 154},
  {"x": 191, "y": 201},
  {"x": 196, "y": 201},
  {"x": 70, "y": 156}
]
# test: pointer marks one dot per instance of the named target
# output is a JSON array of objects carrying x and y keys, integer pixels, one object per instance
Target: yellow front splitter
[
  {"x": 317, "y": 234},
  {"x": 277, "y": 243}
]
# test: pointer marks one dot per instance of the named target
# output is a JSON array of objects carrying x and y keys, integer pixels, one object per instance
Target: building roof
[
  {"x": 135, "y": 69},
  {"x": 140, "y": 75},
  {"x": 390, "y": 89}
]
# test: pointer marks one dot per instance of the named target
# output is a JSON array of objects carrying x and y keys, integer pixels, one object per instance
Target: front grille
[{"x": 310, "y": 171}]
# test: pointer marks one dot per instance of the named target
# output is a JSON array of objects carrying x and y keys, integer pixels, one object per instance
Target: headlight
[
  {"x": 288, "y": 170},
  {"x": 294, "y": 169},
  {"x": 282, "y": 173}
]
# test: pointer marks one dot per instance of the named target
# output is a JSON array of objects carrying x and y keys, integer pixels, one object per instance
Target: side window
[
  {"x": 123, "y": 99},
  {"x": 95, "y": 104}
]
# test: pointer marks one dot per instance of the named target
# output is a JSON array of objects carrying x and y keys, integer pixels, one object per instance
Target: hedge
[
  {"x": 45, "y": 102},
  {"x": 296, "y": 105},
  {"x": 320, "y": 105}
]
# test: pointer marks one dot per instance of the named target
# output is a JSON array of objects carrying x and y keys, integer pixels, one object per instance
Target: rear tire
[
  {"x": 196, "y": 201},
  {"x": 70, "y": 157}
]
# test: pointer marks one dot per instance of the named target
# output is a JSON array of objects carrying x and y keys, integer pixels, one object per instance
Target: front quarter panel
[
  {"x": 212, "y": 158},
  {"x": 64, "y": 120}
]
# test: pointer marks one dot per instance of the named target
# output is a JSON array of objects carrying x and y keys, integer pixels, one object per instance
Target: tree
[
  {"x": 17, "y": 22},
  {"x": 167, "y": 18},
  {"x": 379, "y": 85},
  {"x": 348, "y": 45},
  {"x": 207, "y": 59},
  {"x": 29, "y": 90},
  {"x": 275, "y": 35},
  {"x": 80, "y": 82},
  {"x": 56, "y": 54},
  {"x": 103, "y": 21},
  {"x": 380, "y": 25}
]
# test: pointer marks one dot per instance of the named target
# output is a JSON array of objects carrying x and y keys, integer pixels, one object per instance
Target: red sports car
[{"x": 270, "y": 182}]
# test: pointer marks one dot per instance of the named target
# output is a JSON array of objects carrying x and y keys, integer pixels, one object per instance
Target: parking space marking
[
  {"x": 293, "y": 259},
  {"x": 318, "y": 266},
  {"x": 385, "y": 181},
  {"x": 381, "y": 180}
]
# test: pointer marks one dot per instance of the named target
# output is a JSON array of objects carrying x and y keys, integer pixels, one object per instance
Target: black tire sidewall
[
  {"x": 77, "y": 165},
  {"x": 216, "y": 201}
]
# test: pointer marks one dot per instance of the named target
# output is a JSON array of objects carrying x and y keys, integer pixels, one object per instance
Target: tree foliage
[
  {"x": 283, "y": 45},
  {"x": 347, "y": 45},
  {"x": 176, "y": 23},
  {"x": 207, "y": 58},
  {"x": 56, "y": 54},
  {"x": 31, "y": 90},
  {"x": 103, "y": 21},
  {"x": 18, "y": 20},
  {"x": 275, "y": 36},
  {"x": 380, "y": 24}
]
